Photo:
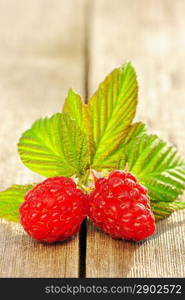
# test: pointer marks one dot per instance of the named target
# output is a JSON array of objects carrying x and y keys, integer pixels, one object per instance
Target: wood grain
[
  {"x": 39, "y": 62},
  {"x": 150, "y": 33}
]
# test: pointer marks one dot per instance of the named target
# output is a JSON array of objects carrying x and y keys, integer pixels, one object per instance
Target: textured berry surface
[
  {"x": 120, "y": 206},
  {"x": 53, "y": 210}
]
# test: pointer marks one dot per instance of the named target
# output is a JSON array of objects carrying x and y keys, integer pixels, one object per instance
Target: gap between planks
[{"x": 83, "y": 230}]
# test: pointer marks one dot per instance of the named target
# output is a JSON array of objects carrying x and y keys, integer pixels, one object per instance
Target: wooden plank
[
  {"x": 39, "y": 62},
  {"x": 150, "y": 33}
]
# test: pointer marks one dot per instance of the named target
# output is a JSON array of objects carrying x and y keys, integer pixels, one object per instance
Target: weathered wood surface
[
  {"x": 38, "y": 64},
  {"x": 150, "y": 33},
  {"x": 43, "y": 52}
]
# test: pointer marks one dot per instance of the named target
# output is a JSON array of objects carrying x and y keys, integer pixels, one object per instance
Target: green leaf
[
  {"x": 133, "y": 131},
  {"x": 75, "y": 146},
  {"x": 54, "y": 146},
  {"x": 10, "y": 201},
  {"x": 162, "y": 210},
  {"x": 112, "y": 109},
  {"x": 77, "y": 110},
  {"x": 159, "y": 167}
]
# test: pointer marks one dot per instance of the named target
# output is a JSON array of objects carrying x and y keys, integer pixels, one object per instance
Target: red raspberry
[
  {"x": 53, "y": 210},
  {"x": 120, "y": 206}
]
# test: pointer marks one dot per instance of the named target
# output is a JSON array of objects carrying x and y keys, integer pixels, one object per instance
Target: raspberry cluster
[{"x": 54, "y": 209}]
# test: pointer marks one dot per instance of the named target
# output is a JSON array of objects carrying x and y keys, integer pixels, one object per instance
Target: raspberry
[
  {"x": 120, "y": 206},
  {"x": 53, "y": 210}
]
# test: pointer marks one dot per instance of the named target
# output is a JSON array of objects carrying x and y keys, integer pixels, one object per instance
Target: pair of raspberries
[{"x": 54, "y": 209}]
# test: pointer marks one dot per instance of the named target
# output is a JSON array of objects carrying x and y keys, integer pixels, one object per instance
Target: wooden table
[{"x": 46, "y": 48}]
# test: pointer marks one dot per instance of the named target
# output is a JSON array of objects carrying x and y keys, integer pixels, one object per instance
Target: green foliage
[
  {"x": 112, "y": 109},
  {"x": 134, "y": 130},
  {"x": 159, "y": 167},
  {"x": 162, "y": 210},
  {"x": 54, "y": 146},
  {"x": 10, "y": 201},
  {"x": 77, "y": 111}
]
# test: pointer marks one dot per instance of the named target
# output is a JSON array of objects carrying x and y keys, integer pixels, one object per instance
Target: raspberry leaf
[
  {"x": 159, "y": 167},
  {"x": 162, "y": 210},
  {"x": 134, "y": 130},
  {"x": 54, "y": 146},
  {"x": 75, "y": 146},
  {"x": 112, "y": 109},
  {"x": 10, "y": 201},
  {"x": 77, "y": 110}
]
